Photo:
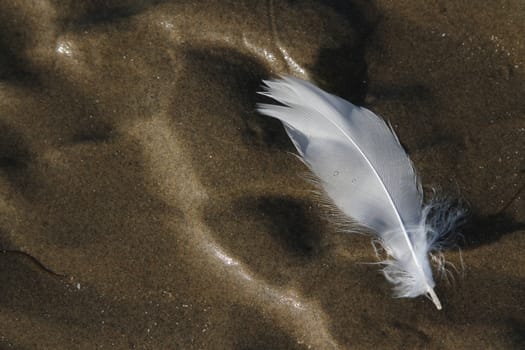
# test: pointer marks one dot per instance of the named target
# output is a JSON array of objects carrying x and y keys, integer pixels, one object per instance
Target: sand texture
[{"x": 144, "y": 204}]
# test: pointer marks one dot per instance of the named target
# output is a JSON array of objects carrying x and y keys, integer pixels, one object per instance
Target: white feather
[{"x": 365, "y": 171}]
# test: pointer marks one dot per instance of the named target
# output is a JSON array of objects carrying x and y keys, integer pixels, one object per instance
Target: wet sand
[{"x": 144, "y": 204}]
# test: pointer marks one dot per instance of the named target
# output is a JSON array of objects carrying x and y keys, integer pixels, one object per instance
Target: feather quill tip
[{"x": 433, "y": 296}]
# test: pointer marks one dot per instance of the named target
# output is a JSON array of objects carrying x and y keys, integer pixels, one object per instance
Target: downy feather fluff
[{"x": 365, "y": 171}]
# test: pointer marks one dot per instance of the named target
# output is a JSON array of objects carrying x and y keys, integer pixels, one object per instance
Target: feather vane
[{"x": 366, "y": 173}]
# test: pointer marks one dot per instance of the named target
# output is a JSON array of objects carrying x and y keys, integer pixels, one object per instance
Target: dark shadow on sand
[
  {"x": 289, "y": 221},
  {"x": 343, "y": 70},
  {"x": 487, "y": 229}
]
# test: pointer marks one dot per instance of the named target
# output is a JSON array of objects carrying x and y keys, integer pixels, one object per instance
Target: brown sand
[{"x": 133, "y": 163}]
